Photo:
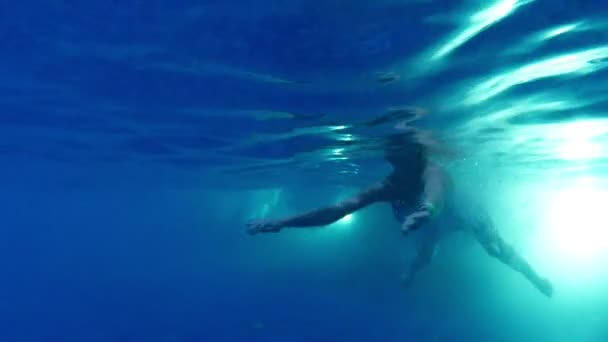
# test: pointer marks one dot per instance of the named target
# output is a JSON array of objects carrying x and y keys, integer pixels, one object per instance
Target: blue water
[{"x": 138, "y": 138}]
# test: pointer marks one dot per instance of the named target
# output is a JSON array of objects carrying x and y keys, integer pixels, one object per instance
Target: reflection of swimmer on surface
[{"x": 416, "y": 189}]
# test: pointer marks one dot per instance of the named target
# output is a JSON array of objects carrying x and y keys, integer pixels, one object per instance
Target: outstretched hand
[{"x": 263, "y": 226}]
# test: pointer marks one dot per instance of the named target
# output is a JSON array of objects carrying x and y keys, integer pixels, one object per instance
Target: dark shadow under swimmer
[{"x": 416, "y": 189}]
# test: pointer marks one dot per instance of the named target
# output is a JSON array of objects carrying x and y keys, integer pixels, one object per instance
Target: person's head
[{"x": 400, "y": 148}]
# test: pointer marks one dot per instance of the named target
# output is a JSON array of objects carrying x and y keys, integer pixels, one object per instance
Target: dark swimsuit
[{"x": 405, "y": 183}]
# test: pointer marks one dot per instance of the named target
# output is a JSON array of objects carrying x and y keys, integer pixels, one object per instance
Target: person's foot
[
  {"x": 263, "y": 226},
  {"x": 414, "y": 220},
  {"x": 545, "y": 287}
]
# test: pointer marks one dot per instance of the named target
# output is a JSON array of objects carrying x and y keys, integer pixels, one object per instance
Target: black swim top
[{"x": 408, "y": 159}]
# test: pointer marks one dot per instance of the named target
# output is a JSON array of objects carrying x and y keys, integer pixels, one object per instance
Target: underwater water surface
[{"x": 138, "y": 138}]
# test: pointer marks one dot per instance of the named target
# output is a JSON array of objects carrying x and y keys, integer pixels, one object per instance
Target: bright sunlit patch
[
  {"x": 535, "y": 40},
  {"x": 338, "y": 128},
  {"x": 344, "y": 222},
  {"x": 558, "y": 31},
  {"x": 579, "y": 26},
  {"x": 578, "y": 140},
  {"x": 579, "y": 149},
  {"x": 569, "y": 242},
  {"x": 346, "y": 137},
  {"x": 477, "y": 23},
  {"x": 582, "y": 62},
  {"x": 510, "y": 109},
  {"x": 336, "y": 154},
  {"x": 578, "y": 143},
  {"x": 347, "y": 219},
  {"x": 575, "y": 219}
]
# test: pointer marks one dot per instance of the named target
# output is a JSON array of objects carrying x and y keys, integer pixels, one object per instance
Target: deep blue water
[{"x": 138, "y": 138}]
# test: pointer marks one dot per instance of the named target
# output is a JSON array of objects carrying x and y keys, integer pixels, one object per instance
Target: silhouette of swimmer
[{"x": 416, "y": 189}]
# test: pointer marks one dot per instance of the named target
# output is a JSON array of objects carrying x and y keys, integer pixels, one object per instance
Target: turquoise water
[{"x": 139, "y": 138}]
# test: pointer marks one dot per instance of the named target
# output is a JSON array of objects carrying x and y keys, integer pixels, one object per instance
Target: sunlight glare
[
  {"x": 477, "y": 23},
  {"x": 575, "y": 219},
  {"x": 582, "y": 62},
  {"x": 572, "y": 238},
  {"x": 577, "y": 140},
  {"x": 557, "y": 31},
  {"x": 347, "y": 218}
]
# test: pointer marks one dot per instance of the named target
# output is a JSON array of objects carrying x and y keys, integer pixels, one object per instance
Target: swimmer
[
  {"x": 416, "y": 190},
  {"x": 415, "y": 186}
]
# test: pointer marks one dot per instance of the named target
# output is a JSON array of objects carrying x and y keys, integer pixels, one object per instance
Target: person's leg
[
  {"x": 424, "y": 256},
  {"x": 486, "y": 234}
]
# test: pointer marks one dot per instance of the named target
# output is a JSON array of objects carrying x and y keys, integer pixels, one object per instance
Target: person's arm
[
  {"x": 322, "y": 216},
  {"x": 436, "y": 184}
]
